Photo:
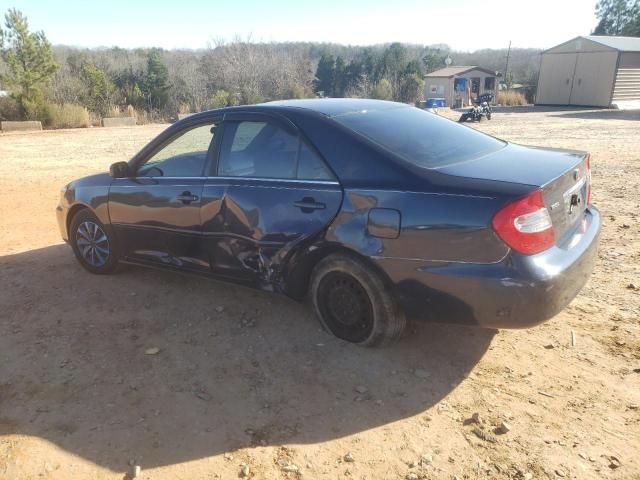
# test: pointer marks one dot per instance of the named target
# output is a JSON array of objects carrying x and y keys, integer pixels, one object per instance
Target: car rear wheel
[
  {"x": 92, "y": 243},
  {"x": 353, "y": 303}
]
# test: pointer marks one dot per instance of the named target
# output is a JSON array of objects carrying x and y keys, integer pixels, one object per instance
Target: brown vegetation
[
  {"x": 66, "y": 116},
  {"x": 511, "y": 98}
]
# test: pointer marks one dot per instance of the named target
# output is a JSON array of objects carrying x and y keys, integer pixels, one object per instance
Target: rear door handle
[
  {"x": 187, "y": 197},
  {"x": 308, "y": 205}
]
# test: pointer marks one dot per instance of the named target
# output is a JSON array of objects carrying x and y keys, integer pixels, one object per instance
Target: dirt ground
[{"x": 247, "y": 383}]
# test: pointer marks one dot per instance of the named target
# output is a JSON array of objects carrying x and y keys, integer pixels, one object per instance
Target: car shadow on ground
[{"x": 235, "y": 367}]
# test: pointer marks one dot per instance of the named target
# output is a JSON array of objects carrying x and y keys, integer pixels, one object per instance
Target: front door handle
[
  {"x": 187, "y": 198},
  {"x": 308, "y": 205}
]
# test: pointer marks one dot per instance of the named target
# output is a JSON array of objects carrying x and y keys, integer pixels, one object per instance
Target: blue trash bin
[{"x": 435, "y": 103}]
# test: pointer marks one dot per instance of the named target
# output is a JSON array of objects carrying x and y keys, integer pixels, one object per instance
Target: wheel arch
[
  {"x": 73, "y": 211},
  {"x": 297, "y": 276}
]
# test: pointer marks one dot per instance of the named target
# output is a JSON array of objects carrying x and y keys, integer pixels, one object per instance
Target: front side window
[
  {"x": 264, "y": 150},
  {"x": 184, "y": 156}
]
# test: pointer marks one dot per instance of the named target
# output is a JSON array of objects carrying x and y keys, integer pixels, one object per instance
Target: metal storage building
[{"x": 596, "y": 71}]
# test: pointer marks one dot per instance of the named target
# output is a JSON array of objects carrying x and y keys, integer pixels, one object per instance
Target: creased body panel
[
  {"x": 434, "y": 226},
  {"x": 251, "y": 225}
]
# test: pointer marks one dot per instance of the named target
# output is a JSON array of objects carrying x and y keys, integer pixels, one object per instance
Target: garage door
[
  {"x": 593, "y": 80},
  {"x": 556, "y": 75}
]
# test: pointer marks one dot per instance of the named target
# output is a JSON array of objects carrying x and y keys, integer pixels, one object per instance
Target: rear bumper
[{"x": 519, "y": 291}]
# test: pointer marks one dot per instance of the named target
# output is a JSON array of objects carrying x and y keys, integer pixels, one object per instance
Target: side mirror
[{"x": 120, "y": 170}]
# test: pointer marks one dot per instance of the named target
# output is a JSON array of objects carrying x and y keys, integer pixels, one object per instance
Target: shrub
[
  {"x": 10, "y": 109},
  {"x": 95, "y": 119},
  {"x": 116, "y": 111},
  {"x": 35, "y": 109},
  {"x": 511, "y": 98},
  {"x": 383, "y": 90},
  {"x": 67, "y": 115},
  {"x": 412, "y": 89},
  {"x": 300, "y": 91},
  {"x": 221, "y": 98}
]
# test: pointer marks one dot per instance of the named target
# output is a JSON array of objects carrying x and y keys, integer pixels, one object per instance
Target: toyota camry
[{"x": 376, "y": 211}]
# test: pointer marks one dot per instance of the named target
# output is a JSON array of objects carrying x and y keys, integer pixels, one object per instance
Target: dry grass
[
  {"x": 67, "y": 115},
  {"x": 511, "y": 98},
  {"x": 115, "y": 111}
]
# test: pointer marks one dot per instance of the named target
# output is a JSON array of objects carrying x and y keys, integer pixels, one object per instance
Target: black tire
[
  {"x": 479, "y": 118},
  {"x": 489, "y": 116},
  {"x": 353, "y": 303},
  {"x": 463, "y": 118},
  {"x": 92, "y": 243}
]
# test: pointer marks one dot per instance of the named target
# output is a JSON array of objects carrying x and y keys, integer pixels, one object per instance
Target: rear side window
[
  {"x": 264, "y": 150},
  {"x": 421, "y": 138},
  {"x": 311, "y": 166}
]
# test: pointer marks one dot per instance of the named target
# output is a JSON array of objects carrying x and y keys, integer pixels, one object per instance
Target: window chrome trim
[
  {"x": 255, "y": 179},
  {"x": 292, "y": 180}
]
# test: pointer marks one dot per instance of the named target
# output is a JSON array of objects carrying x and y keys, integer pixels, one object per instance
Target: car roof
[
  {"x": 333, "y": 107},
  {"x": 327, "y": 107}
]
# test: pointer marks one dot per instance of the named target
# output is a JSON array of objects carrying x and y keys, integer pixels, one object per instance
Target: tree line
[
  {"x": 158, "y": 84},
  {"x": 618, "y": 17}
]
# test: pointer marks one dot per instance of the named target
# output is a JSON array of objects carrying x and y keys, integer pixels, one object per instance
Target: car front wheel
[
  {"x": 353, "y": 303},
  {"x": 92, "y": 244}
]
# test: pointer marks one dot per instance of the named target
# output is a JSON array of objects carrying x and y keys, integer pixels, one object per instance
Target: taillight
[
  {"x": 588, "y": 180},
  {"x": 525, "y": 225}
]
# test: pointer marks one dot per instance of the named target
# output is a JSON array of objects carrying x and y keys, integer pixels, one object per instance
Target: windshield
[{"x": 419, "y": 137}]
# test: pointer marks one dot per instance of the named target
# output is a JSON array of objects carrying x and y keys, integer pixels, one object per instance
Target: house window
[
  {"x": 490, "y": 83},
  {"x": 475, "y": 85}
]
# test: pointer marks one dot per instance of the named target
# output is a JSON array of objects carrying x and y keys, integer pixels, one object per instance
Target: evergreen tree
[
  {"x": 412, "y": 89},
  {"x": 433, "y": 60},
  {"x": 100, "y": 88},
  {"x": 618, "y": 17},
  {"x": 339, "y": 78},
  {"x": 156, "y": 82},
  {"x": 413, "y": 68},
  {"x": 29, "y": 59},
  {"x": 325, "y": 75}
]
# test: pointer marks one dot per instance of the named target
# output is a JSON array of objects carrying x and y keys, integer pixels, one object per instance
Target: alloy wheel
[{"x": 93, "y": 244}]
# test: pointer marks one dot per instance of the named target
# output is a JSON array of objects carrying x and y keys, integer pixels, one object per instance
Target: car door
[
  {"x": 270, "y": 191},
  {"x": 156, "y": 213}
]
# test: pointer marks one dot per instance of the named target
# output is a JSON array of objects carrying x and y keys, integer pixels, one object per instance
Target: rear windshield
[{"x": 419, "y": 137}]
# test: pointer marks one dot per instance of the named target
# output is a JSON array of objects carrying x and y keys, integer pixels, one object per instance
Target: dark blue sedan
[{"x": 376, "y": 211}]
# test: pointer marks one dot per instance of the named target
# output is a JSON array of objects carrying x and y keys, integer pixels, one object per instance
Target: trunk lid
[{"x": 563, "y": 176}]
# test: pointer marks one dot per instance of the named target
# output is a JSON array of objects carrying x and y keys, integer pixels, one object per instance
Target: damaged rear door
[{"x": 269, "y": 190}]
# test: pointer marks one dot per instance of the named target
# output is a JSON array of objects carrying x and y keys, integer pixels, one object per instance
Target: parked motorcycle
[{"x": 480, "y": 109}]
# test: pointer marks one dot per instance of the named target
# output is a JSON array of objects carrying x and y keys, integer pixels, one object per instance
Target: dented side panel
[
  {"x": 440, "y": 227},
  {"x": 251, "y": 226}
]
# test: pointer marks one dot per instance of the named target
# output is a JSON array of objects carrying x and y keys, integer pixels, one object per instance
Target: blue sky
[{"x": 195, "y": 23}]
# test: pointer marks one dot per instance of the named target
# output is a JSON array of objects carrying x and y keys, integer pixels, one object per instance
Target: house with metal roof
[
  {"x": 592, "y": 70},
  {"x": 456, "y": 86}
]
